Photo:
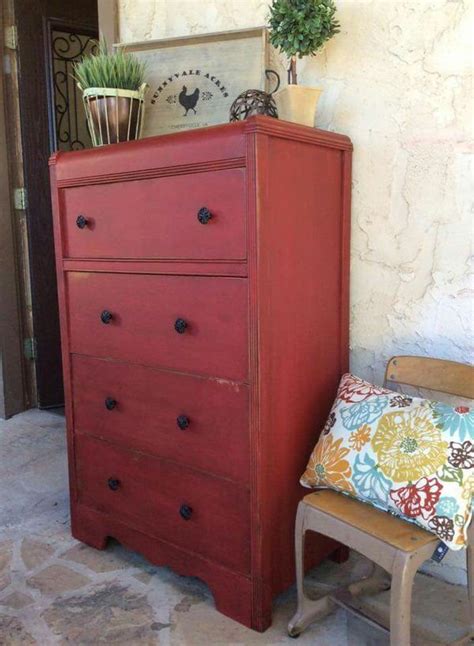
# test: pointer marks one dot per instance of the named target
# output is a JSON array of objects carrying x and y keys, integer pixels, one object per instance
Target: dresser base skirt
[
  {"x": 246, "y": 600},
  {"x": 235, "y": 595}
]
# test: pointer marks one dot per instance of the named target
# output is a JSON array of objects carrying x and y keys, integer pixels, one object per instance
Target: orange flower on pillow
[
  {"x": 327, "y": 465},
  {"x": 358, "y": 438}
]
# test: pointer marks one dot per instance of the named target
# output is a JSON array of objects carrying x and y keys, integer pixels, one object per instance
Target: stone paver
[
  {"x": 114, "y": 558},
  {"x": 143, "y": 577},
  {"x": 57, "y": 579},
  {"x": 35, "y": 553},
  {"x": 17, "y": 600},
  {"x": 5, "y": 580},
  {"x": 107, "y": 615},
  {"x": 186, "y": 602},
  {"x": 6, "y": 548},
  {"x": 13, "y": 633}
]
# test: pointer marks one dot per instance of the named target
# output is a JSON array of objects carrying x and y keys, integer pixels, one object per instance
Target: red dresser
[{"x": 203, "y": 286}]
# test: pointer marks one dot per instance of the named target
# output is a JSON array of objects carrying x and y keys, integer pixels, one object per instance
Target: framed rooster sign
[{"x": 193, "y": 80}]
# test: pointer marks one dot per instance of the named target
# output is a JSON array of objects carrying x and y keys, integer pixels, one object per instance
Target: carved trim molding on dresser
[
  {"x": 203, "y": 284},
  {"x": 128, "y": 176}
]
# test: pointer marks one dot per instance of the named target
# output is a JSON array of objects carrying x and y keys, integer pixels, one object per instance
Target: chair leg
[
  {"x": 400, "y": 601},
  {"x": 377, "y": 581},
  {"x": 307, "y": 610}
]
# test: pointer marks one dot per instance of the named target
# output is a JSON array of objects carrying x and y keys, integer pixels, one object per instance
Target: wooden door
[{"x": 50, "y": 34}]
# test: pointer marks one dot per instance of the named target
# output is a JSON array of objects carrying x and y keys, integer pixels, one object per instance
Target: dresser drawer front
[
  {"x": 199, "y": 513},
  {"x": 195, "y": 421},
  {"x": 158, "y": 218},
  {"x": 193, "y": 324}
]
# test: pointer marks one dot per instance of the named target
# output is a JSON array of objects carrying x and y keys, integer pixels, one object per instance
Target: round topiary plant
[{"x": 301, "y": 28}]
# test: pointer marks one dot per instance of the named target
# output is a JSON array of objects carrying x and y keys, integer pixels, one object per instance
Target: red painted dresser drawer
[
  {"x": 158, "y": 218},
  {"x": 146, "y": 311},
  {"x": 197, "y": 512},
  {"x": 197, "y": 421}
]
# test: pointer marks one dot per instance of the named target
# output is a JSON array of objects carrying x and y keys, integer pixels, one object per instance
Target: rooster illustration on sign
[{"x": 188, "y": 101}]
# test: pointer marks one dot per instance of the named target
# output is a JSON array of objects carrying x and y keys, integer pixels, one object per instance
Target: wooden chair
[{"x": 393, "y": 545}]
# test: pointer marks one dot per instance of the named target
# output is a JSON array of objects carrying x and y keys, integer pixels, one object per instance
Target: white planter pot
[{"x": 297, "y": 103}]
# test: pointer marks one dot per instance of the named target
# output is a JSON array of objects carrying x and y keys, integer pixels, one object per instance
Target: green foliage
[
  {"x": 301, "y": 27},
  {"x": 118, "y": 70}
]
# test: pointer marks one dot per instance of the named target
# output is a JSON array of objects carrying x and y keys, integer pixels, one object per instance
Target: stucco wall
[{"x": 397, "y": 80}]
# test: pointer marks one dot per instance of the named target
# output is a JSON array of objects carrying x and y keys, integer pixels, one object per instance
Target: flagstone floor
[{"x": 54, "y": 590}]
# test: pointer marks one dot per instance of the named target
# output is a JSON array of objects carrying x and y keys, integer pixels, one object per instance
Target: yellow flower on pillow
[
  {"x": 408, "y": 445},
  {"x": 328, "y": 466},
  {"x": 468, "y": 488}
]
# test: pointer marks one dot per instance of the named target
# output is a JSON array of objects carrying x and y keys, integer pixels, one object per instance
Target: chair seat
[{"x": 391, "y": 530}]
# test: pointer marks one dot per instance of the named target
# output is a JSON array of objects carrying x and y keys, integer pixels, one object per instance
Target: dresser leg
[
  {"x": 262, "y": 608},
  {"x": 238, "y": 599},
  {"x": 88, "y": 530},
  {"x": 253, "y": 608},
  {"x": 261, "y": 617}
]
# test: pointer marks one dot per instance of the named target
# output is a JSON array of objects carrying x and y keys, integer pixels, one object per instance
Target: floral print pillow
[{"x": 406, "y": 455}]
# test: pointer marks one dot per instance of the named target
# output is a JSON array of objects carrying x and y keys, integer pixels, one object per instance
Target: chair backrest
[{"x": 442, "y": 376}]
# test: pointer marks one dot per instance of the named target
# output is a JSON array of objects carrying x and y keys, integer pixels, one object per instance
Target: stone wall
[{"x": 397, "y": 80}]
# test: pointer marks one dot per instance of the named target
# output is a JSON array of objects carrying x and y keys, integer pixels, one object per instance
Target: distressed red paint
[{"x": 264, "y": 289}]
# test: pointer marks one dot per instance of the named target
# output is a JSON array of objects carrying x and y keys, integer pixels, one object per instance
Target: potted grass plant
[
  {"x": 300, "y": 28},
  {"x": 113, "y": 89}
]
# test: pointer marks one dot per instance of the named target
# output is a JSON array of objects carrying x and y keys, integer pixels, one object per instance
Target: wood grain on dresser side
[{"x": 298, "y": 273}]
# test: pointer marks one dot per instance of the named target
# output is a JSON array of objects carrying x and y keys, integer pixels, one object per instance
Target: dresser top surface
[{"x": 191, "y": 147}]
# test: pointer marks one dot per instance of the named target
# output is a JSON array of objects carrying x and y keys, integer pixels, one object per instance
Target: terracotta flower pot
[
  {"x": 298, "y": 103},
  {"x": 114, "y": 115}
]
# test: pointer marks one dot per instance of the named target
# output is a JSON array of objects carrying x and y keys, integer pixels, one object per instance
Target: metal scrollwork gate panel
[{"x": 68, "y": 125}]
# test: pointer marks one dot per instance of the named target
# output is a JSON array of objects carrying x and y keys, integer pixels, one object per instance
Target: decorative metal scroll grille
[{"x": 70, "y": 120}]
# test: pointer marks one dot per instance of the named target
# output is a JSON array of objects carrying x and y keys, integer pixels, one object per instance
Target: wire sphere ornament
[{"x": 253, "y": 102}]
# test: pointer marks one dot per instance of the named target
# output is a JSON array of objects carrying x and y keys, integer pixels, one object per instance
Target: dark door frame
[
  {"x": 17, "y": 373},
  {"x": 32, "y": 25},
  {"x": 13, "y": 397}
]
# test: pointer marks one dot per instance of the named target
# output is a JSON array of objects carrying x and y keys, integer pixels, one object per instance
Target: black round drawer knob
[
  {"x": 182, "y": 421},
  {"x": 81, "y": 222},
  {"x": 106, "y": 317},
  {"x": 113, "y": 483},
  {"x": 180, "y": 326},
  {"x": 186, "y": 512},
  {"x": 110, "y": 403},
  {"x": 204, "y": 215}
]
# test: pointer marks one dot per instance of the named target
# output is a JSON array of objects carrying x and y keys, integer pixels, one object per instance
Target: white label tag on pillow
[{"x": 440, "y": 552}]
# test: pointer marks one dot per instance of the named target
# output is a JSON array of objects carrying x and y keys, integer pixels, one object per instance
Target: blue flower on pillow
[
  {"x": 369, "y": 481},
  {"x": 455, "y": 420},
  {"x": 364, "y": 412},
  {"x": 447, "y": 506}
]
